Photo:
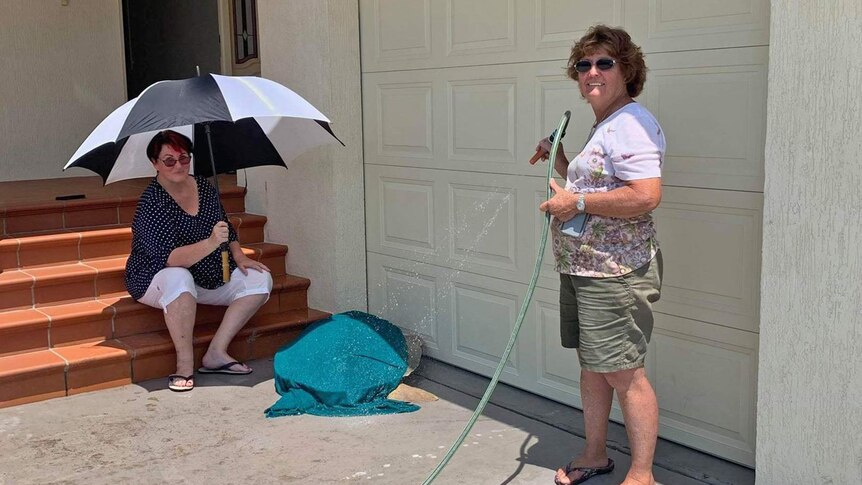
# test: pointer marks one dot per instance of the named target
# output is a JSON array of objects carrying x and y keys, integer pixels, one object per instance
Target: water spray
[{"x": 555, "y": 143}]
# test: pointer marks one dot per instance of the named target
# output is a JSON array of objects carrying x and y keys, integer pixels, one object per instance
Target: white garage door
[{"x": 455, "y": 95}]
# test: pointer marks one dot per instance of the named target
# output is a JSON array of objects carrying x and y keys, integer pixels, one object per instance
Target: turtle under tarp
[{"x": 345, "y": 365}]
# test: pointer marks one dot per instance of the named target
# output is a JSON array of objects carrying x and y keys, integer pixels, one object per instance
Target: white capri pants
[{"x": 170, "y": 283}]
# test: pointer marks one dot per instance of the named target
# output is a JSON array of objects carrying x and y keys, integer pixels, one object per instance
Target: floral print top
[{"x": 628, "y": 145}]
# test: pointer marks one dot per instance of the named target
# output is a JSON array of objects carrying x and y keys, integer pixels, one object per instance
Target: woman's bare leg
[
  {"x": 180, "y": 320},
  {"x": 596, "y": 396},
  {"x": 640, "y": 410},
  {"x": 235, "y": 317}
]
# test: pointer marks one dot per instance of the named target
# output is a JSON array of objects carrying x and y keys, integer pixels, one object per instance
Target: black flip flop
[
  {"x": 587, "y": 472},
  {"x": 225, "y": 369},
  {"x": 176, "y": 388}
]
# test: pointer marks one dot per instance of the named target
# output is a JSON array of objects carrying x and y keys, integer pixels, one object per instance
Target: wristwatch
[{"x": 581, "y": 206}]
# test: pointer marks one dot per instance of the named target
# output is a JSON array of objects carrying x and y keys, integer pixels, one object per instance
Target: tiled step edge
[
  {"x": 87, "y": 280},
  {"x": 45, "y": 374},
  {"x": 66, "y": 246},
  {"x": 58, "y": 215},
  {"x": 116, "y": 317},
  {"x": 154, "y": 356}
]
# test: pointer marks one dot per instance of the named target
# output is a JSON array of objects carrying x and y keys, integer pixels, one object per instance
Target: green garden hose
[{"x": 561, "y": 129}]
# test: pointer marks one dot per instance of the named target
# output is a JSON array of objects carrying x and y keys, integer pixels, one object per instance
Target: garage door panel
[
  {"x": 706, "y": 384},
  {"x": 710, "y": 240},
  {"x": 397, "y": 102},
  {"x": 476, "y": 116},
  {"x": 420, "y": 34},
  {"x": 484, "y": 319},
  {"x": 676, "y": 25},
  {"x": 487, "y": 215},
  {"x": 464, "y": 221},
  {"x": 396, "y": 30},
  {"x": 558, "y": 366},
  {"x": 470, "y": 322},
  {"x": 410, "y": 302},
  {"x": 711, "y": 107},
  {"x": 412, "y": 230},
  {"x": 480, "y": 26},
  {"x": 482, "y": 120},
  {"x": 559, "y": 22},
  {"x": 456, "y": 33}
]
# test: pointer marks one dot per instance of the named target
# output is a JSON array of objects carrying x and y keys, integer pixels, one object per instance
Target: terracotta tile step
[
  {"x": 132, "y": 318},
  {"x": 93, "y": 278},
  {"x": 44, "y": 214},
  {"x": 154, "y": 356},
  {"x": 60, "y": 284},
  {"x": 31, "y": 377},
  {"x": 116, "y": 317},
  {"x": 40, "y": 375},
  {"x": 45, "y": 374},
  {"x": 248, "y": 226},
  {"x": 22, "y": 192},
  {"x": 69, "y": 246}
]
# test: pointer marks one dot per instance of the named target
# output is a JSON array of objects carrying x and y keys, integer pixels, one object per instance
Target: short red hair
[{"x": 177, "y": 141}]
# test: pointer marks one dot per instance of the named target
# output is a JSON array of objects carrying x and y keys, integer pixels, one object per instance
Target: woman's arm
[
  {"x": 635, "y": 198},
  {"x": 186, "y": 256}
]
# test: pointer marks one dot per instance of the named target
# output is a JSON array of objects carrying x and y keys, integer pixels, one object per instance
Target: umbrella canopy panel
[{"x": 169, "y": 104}]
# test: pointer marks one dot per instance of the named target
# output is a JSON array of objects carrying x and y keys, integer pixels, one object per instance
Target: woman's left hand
[
  {"x": 562, "y": 205},
  {"x": 244, "y": 263}
]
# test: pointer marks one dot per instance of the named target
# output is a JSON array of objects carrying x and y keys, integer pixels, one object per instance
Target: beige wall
[
  {"x": 62, "y": 73},
  {"x": 810, "y": 382},
  {"x": 317, "y": 206}
]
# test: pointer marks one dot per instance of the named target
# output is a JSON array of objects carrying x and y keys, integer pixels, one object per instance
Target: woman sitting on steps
[{"x": 175, "y": 262}]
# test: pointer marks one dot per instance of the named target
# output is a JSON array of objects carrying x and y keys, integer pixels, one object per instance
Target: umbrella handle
[{"x": 225, "y": 265}]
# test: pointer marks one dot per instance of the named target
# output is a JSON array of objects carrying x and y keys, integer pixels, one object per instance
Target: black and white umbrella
[
  {"x": 252, "y": 121},
  {"x": 245, "y": 121}
]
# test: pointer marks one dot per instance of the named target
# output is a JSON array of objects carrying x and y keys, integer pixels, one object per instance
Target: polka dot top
[{"x": 161, "y": 225}]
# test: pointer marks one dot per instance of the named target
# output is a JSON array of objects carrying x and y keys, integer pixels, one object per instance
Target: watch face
[{"x": 580, "y": 205}]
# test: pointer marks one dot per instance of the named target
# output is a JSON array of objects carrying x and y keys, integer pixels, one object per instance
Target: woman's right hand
[
  {"x": 220, "y": 233},
  {"x": 543, "y": 150}
]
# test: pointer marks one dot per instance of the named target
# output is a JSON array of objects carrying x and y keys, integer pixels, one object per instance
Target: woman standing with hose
[{"x": 610, "y": 273}]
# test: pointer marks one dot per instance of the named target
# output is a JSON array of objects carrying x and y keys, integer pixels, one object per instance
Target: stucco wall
[
  {"x": 810, "y": 379},
  {"x": 62, "y": 73},
  {"x": 317, "y": 206}
]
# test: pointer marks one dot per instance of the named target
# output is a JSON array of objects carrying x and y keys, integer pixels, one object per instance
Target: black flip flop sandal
[
  {"x": 176, "y": 388},
  {"x": 587, "y": 472},
  {"x": 225, "y": 369}
]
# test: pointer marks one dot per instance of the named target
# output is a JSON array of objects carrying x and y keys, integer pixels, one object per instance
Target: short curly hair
[{"x": 618, "y": 44}]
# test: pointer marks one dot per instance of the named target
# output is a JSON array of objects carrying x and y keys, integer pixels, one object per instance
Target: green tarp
[{"x": 342, "y": 366}]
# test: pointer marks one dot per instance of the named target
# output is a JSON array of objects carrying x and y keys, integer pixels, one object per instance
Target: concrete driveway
[{"x": 216, "y": 434}]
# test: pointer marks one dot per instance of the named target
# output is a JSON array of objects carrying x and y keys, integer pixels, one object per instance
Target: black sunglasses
[{"x": 602, "y": 64}]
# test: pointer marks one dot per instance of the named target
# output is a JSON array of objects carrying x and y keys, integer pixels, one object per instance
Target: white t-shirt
[{"x": 628, "y": 145}]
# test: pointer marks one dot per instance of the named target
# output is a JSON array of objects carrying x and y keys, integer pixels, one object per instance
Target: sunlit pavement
[{"x": 217, "y": 433}]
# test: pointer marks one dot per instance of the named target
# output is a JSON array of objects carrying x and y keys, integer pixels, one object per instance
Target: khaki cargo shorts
[{"x": 610, "y": 320}]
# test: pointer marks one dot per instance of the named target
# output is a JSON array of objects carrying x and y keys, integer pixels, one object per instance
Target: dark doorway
[{"x": 167, "y": 39}]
